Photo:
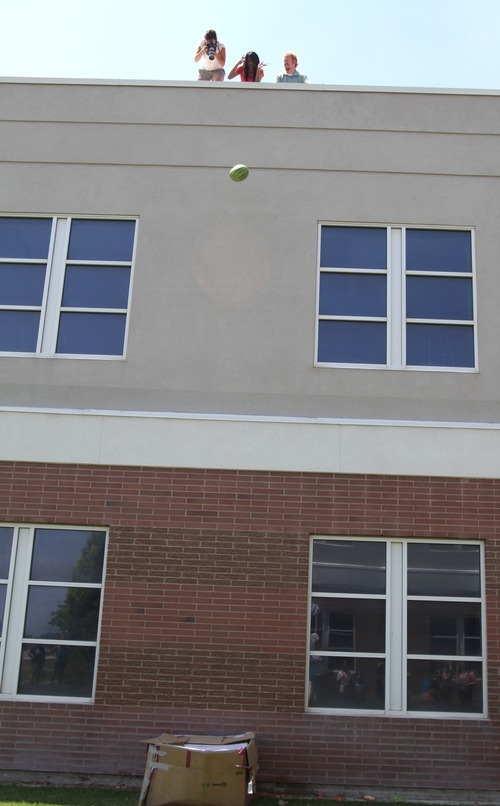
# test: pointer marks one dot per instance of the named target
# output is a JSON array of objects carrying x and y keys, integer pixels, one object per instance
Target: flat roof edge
[{"x": 118, "y": 82}]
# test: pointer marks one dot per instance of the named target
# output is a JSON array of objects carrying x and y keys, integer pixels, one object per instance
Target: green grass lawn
[
  {"x": 13, "y": 795},
  {"x": 66, "y": 796}
]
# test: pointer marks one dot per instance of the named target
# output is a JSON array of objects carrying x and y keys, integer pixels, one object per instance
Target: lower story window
[
  {"x": 50, "y": 606},
  {"x": 397, "y": 626}
]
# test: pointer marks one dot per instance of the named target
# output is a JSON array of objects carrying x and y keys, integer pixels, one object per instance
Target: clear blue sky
[{"x": 407, "y": 43}]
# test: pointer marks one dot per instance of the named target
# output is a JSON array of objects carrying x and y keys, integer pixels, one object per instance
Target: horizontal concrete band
[{"x": 250, "y": 443}]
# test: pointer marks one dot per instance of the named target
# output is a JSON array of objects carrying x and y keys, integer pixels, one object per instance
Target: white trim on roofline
[{"x": 267, "y": 86}]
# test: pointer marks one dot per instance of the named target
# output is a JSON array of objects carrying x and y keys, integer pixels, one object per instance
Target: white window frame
[
  {"x": 396, "y": 655},
  {"x": 51, "y": 307},
  {"x": 396, "y": 297},
  {"x": 11, "y": 632}
]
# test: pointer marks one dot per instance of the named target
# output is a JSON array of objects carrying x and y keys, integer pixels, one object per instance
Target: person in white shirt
[{"x": 211, "y": 57}]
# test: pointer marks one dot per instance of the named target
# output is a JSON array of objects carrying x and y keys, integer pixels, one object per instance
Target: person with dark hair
[
  {"x": 211, "y": 56},
  {"x": 248, "y": 68}
]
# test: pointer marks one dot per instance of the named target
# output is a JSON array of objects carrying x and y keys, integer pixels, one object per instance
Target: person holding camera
[{"x": 211, "y": 57}]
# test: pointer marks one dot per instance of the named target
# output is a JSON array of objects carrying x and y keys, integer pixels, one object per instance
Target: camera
[{"x": 211, "y": 47}]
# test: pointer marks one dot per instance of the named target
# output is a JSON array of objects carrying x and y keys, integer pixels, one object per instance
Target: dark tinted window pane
[
  {"x": 67, "y": 555},
  {"x": 354, "y": 247},
  {"x": 48, "y": 670},
  {"x": 346, "y": 683},
  {"x": 19, "y": 331},
  {"x": 440, "y": 570},
  {"x": 6, "y": 536},
  {"x": 438, "y": 250},
  {"x": 61, "y": 612},
  {"x": 350, "y": 625},
  {"x": 352, "y": 342},
  {"x": 91, "y": 333},
  {"x": 348, "y": 567},
  {"x": 21, "y": 283},
  {"x": 353, "y": 294},
  {"x": 96, "y": 287},
  {"x": 101, "y": 240},
  {"x": 439, "y": 345},
  {"x": 439, "y": 298},
  {"x": 444, "y": 686},
  {"x": 25, "y": 238},
  {"x": 444, "y": 628}
]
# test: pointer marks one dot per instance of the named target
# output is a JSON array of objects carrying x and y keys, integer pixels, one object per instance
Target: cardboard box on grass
[{"x": 199, "y": 770}]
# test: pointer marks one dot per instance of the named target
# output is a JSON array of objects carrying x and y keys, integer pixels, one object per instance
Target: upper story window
[
  {"x": 396, "y": 297},
  {"x": 65, "y": 285},
  {"x": 51, "y": 581},
  {"x": 397, "y": 627}
]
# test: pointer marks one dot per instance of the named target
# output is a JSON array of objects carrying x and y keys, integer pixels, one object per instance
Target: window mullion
[
  {"x": 396, "y": 629},
  {"x": 55, "y": 286},
  {"x": 474, "y": 296},
  {"x": 15, "y": 625},
  {"x": 395, "y": 305}
]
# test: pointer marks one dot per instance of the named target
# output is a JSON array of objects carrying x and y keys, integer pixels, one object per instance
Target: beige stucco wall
[{"x": 223, "y": 305}]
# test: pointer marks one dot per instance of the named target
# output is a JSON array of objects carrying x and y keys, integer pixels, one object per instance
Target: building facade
[{"x": 249, "y": 432}]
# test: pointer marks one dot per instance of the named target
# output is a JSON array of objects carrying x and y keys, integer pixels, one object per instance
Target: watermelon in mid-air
[{"x": 239, "y": 173}]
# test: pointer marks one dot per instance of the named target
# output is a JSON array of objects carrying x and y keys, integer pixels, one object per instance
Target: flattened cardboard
[{"x": 199, "y": 770}]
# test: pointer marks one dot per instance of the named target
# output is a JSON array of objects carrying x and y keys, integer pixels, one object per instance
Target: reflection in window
[
  {"x": 453, "y": 687},
  {"x": 445, "y": 643},
  {"x": 62, "y": 612},
  {"x": 56, "y": 654},
  {"x": 67, "y": 555},
  {"x": 56, "y": 670},
  {"x": 443, "y": 570},
  {"x": 365, "y": 591},
  {"x": 349, "y": 566},
  {"x": 454, "y": 630},
  {"x": 353, "y": 624}
]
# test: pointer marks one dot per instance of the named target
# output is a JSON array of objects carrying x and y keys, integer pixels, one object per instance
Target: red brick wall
[{"x": 205, "y": 618}]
